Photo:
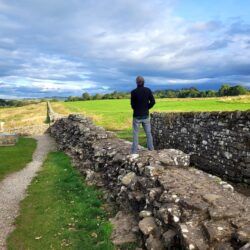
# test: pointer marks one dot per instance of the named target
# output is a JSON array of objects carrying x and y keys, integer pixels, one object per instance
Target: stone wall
[
  {"x": 218, "y": 142},
  {"x": 8, "y": 139},
  {"x": 175, "y": 206},
  {"x": 52, "y": 116}
]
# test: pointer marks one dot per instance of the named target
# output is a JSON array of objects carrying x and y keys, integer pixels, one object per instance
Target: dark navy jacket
[{"x": 142, "y": 100}]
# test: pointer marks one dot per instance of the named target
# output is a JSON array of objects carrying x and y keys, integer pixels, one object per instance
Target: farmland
[
  {"x": 116, "y": 114},
  {"x": 59, "y": 189}
]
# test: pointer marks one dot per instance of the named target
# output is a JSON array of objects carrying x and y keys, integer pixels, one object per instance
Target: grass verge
[
  {"x": 14, "y": 158},
  {"x": 61, "y": 212}
]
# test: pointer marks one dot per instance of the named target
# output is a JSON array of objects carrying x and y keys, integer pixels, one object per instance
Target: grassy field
[
  {"x": 14, "y": 158},
  {"x": 33, "y": 114},
  {"x": 61, "y": 212},
  {"x": 116, "y": 115}
]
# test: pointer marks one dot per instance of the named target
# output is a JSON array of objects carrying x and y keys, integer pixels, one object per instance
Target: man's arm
[
  {"x": 132, "y": 100},
  {"x": 151, "y": 100}
]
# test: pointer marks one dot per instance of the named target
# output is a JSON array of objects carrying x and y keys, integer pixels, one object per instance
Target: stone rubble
[
  {"x": 175, "y": 206},
  {"x": 8, "y": 139},
  {"x": 124, "y": 229}
]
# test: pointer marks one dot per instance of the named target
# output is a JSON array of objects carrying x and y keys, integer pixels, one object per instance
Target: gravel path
[{"x": 13, "y": 187}]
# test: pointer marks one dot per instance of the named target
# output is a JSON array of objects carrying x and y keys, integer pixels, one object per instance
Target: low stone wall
[
  {"x": 8, "y": 139},
  {"x": 177, "y": 207},
  {"x": 51, "y": 115},
  {"x": 218, "y": 142}
]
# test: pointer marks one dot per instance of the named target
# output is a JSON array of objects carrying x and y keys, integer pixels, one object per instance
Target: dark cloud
[
  {"x": 219, "y": 44},
  {"x": 239, "y": 27}
]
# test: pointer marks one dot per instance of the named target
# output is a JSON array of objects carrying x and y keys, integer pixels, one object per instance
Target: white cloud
[{"x": 64, "y": 46}]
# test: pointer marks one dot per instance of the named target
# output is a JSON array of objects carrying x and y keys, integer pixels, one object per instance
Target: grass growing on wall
[
  {"x": 61, "y": 212},
  {"x": 14, "y": 158}
]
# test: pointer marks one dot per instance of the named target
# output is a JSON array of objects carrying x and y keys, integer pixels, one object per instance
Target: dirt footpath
[{"x": 13, "y": 187}]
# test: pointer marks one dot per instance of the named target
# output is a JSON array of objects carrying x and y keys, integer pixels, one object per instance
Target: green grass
[
  {"x": 61, "y": 212},
  {"x": 111, "y": 114},
  {"x": 116, "y": 115},
  {"x": 14, "y": 158},
  {"x": 197, "y": 105},
  {"x": 126, "y": 134}
]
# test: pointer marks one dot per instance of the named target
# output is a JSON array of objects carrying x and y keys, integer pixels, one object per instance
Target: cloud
[
  {"x": 239, "y": 27},
  {"x": 67, "y": 47}
]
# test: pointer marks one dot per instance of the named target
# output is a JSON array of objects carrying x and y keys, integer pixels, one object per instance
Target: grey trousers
[{"x": 147, "y": 128}]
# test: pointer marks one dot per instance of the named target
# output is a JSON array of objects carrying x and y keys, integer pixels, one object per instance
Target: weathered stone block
[
  {"x": 147, "y": 225},
  {"x": 8, "y": 139}
]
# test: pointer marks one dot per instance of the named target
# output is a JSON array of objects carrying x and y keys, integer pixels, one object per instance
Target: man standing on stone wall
[{"x": 142, "y": 100}]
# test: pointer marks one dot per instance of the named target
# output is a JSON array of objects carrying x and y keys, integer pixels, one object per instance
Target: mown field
[{"x": 116, "y": 115}]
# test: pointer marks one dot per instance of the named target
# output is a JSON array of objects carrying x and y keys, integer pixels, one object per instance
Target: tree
[
  {"x": 97, "y": 97},
  {"x": 210, "y": 93},
  {"x": 85, "y": 96},
  {"x": 3, "y": 103},
  {"x": 237, "y": 90},
  {"x": 170, "y": 94},
  {"x": 193, "y": 92},
  {"x": 224, "y": 90}
]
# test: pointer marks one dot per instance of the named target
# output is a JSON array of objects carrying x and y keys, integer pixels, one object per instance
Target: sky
[{"x": 63, "y": 48}]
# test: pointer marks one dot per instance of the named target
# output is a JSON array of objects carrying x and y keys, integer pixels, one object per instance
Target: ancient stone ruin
[
  {"x": 174, "y": 206},
  {"x": 8, "y": 139},
  {"x": 51, "y": 115},
  {"x": 218, "y": 142}
]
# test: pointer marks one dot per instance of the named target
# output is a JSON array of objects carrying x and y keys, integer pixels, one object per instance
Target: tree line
[
  {"x": 192, "y": 92},
  {"x": 20, "y": 103},
  {"x": 13, "y": 103},
  {"x": 225, "y": 90}
]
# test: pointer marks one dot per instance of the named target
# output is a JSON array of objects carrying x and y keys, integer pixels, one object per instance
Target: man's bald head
[{"x": 140, "y": 81}]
